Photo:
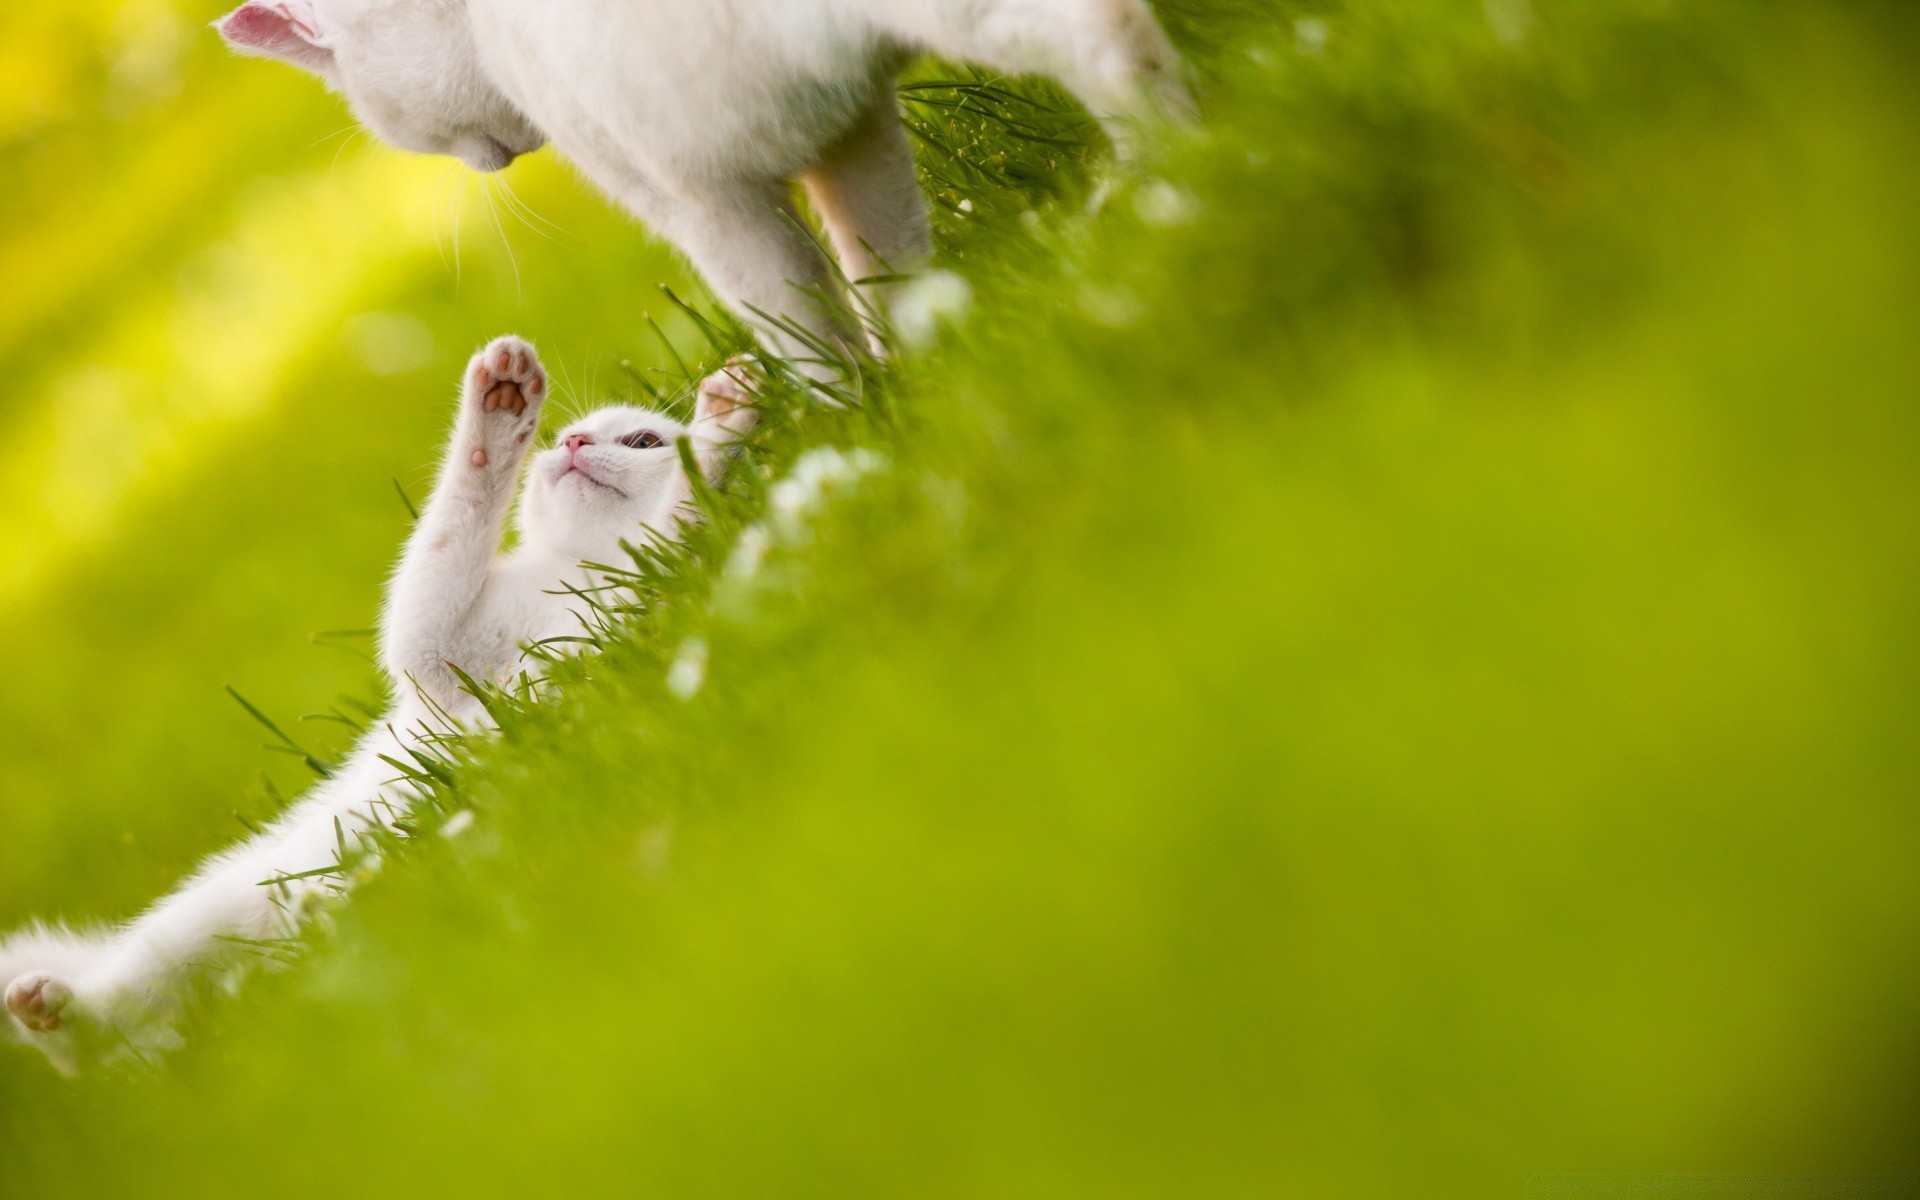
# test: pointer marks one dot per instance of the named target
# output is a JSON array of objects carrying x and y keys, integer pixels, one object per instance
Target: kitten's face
[
  {"x": 606, "y": 475},
  {"x": 409, "y": 68}
]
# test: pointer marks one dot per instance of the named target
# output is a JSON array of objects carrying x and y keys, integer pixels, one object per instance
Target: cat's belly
[{"x": 674, "y": 93}]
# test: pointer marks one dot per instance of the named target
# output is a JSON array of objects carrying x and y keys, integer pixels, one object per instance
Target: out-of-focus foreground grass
[{"x": 1380, "y": 663}]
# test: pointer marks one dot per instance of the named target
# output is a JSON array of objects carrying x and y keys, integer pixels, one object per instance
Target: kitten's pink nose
[{"x": 577, "y": 440}]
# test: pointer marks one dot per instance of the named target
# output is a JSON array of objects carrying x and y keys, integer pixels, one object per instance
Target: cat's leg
[
  {"x": 1113, "y": 54},
  {"x": 748, "y": 243},
  {"x": 868, "y": 197},
  {"x": 451, "y": 553}
]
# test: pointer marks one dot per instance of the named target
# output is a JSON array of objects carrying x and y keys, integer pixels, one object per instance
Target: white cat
[
  {"x": 455, "y": 601},
  {"x": 696, "y": 115}
]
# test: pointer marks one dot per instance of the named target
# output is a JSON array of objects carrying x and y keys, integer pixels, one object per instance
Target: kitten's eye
[{"x": 646, "y": 439}]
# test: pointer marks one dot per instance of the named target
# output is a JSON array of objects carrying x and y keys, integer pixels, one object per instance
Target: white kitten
[
  {"x": 455, "y": 601},
  {"x": 696, "y": 115}
]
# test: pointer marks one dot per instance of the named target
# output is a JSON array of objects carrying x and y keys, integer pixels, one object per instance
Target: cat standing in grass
[
  {"x": 696, "y": 115},
  {"x": 456, "y": 604}
]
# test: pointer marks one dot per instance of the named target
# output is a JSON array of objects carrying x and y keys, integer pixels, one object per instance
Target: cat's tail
[{"x": 33, "y": 964}]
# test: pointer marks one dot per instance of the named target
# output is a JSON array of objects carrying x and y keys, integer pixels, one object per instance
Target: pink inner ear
[{"x": 281, "y": 30}]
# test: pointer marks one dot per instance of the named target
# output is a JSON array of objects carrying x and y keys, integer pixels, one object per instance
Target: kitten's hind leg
[
  {"x": 38, "y": 1000},
  {"x": 868, "y": 197},
  {"x": 37, "y": 970}
]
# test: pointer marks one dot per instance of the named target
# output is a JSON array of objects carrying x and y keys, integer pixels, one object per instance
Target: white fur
[
  {"x": 455, "y": 600},
  {"x": 696, "y": 114}
]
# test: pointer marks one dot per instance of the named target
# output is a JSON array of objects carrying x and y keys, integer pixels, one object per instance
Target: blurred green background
[{"x": 1381, "y": 663}]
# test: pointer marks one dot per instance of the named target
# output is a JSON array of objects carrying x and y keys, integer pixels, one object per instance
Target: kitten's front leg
[
  {"x": 722, "y": 416},
  {"x": 451, "y": 552},
  {"x": 499, "y": 411}
]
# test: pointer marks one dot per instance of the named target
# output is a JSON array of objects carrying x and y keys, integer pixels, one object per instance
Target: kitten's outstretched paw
[
  {"x": 506, "y": 376},
  {"x": 38, "y": 1001},
  {"x": 726, "y": 398},
  {"x": 505, "y": 386}
]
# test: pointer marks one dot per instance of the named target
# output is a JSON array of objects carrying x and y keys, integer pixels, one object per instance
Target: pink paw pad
[
  {"x": 37, "y": 1001},
  {"x": 726, "y": 389},
  {"x": 507, "y": 378}
]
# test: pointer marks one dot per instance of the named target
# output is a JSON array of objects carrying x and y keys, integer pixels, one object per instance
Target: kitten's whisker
[{"x": 575, "y": 407}]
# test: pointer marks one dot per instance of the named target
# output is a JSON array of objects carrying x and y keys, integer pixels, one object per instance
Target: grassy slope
[{"x": 1391, "y": 676}]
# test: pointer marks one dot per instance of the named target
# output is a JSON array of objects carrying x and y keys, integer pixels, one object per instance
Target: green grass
[{"x": 1380, "y": 663}]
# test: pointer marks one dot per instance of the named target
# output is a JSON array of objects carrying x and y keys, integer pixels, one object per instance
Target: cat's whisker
[
  {"x": 457, "y": 179},
  {"x": 535, "y": 214},
  {"x": 524, "y": 211},
  {"x": 558, "y": 232},
  {"x": 506, "y": 243},
  {"x": 441, "y": 203},
  {"x": 513, "y": 206},
  {"x": 353, "y": 132},
  {"x": 350, "y": 127}
]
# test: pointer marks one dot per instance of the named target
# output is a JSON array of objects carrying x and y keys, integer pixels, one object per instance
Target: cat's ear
[{"x": 282, "y": 29}]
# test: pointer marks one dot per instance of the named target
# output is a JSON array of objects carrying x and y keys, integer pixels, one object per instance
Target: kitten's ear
[{"x": 282, "y": 29}]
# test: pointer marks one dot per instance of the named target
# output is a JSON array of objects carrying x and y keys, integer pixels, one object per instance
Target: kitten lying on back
[
  {"x": 695, "y": 115},
  {"x": 455, "y": 601}
]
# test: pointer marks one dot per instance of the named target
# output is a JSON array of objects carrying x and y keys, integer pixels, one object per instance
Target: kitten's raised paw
[
  {"x": 726, "y": 397},
  {"x": 506, "y": 377},
  {"x": 505, "y": 385},
  {"x": 38, "y": 1001}
]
